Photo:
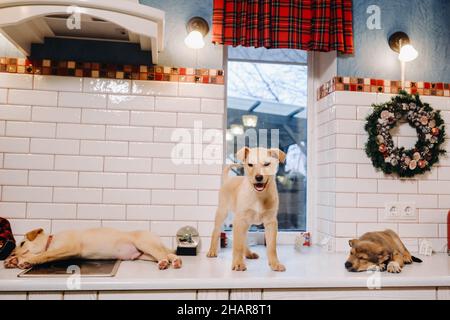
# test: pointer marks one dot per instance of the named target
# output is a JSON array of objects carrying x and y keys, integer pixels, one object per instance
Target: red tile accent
[
  {"x": 205, "y": 79},
  {"x": 341, "y": 83},
  {"x": 111, "y": 71}
]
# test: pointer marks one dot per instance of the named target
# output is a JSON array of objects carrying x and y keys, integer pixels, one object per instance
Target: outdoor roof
[{"x": 269, "y": 107}]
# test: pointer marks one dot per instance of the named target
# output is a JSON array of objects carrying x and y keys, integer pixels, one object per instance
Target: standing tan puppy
[{"x": 253, "y": 199}]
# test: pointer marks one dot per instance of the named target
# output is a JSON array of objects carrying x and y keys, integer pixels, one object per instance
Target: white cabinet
[
  {"x": 351, "y": 294},
  {"x": 80, "y": 295},
  {"x": 13, "y": 296},
  {"x": 443, "y": 293},
  {"x": 213, "y": 295},
  {"x": 424, "y": 293},
  {"x": 246, "y": 294},
  {"x": 44, "y": 295},
  {"x": 147, "y": 295}
]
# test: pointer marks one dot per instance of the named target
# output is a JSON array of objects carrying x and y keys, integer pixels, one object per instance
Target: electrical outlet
[
  {"x": 391, "y": 210},
  {"x": 400, "y": 211},
  {"x": 409, "y": 211}
]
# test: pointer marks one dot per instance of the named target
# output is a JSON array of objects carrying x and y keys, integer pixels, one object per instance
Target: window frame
[{"x": 287, "y": 237}]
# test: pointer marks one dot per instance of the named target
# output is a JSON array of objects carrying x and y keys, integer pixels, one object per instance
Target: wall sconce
[
  {"x": 399, "y": 42},
  {"x": 237, "y": 129},
  {"x": 407, "y": 53},
  {"x": 250, "y": 120},
  {"x": 197, "y": 28}
]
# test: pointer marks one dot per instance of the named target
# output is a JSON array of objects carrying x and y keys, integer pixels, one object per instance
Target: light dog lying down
[
  {"x": 101, "y": 243},
  {"x": 253, "y": 199}
]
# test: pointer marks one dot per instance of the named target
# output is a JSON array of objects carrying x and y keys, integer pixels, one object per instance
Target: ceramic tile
[
  {"x": 109, "y": 71},
  {"x": 378, "y": 86}
]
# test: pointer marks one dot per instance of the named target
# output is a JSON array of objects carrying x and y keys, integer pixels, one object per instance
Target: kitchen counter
[{"x": 309, "y": 268}]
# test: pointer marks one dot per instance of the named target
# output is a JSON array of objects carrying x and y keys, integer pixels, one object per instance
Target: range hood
[{"x": 24, "y": 22}]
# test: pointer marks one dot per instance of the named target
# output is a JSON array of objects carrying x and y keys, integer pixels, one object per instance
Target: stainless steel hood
[{"x": 25, "y": 22}]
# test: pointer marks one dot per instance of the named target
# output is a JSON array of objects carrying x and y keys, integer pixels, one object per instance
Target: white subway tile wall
[
  {"x": 81, "y": 153},
  {"x": 351, "y": 194}
]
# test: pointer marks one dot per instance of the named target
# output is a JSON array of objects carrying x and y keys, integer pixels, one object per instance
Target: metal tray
[{"x": 85, "y": 268}]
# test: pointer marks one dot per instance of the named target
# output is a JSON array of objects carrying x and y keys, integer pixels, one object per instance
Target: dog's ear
[
  {"x": 242, "y": 154},
  {"x": 33, "y": 234},
  {"x": 352, "y": 242},
  {"x": 277, "y": 153}
]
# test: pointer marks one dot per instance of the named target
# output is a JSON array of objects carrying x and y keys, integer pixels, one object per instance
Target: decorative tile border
[
  {"x": 383, "y": 86},
  {"x": 111, "y": 71}
]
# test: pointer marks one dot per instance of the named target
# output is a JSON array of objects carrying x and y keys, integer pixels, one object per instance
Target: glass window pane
[
  {"x": 274, "y": 95},
  {"x": 278, "y": 83},
  {"x": 268, "y": 55}
]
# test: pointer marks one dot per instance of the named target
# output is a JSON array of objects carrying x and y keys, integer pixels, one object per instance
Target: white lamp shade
[
  {"x": 237, "y": 129},
  {"x": 407, "y": 53},
  {"x": 194, "y": 40},
  {"x": 250, "y": 120}
]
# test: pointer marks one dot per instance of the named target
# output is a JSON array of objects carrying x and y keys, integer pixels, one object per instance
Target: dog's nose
[
  {"x": 259, "y": 178},
  {"x": 348, "y": 264}
]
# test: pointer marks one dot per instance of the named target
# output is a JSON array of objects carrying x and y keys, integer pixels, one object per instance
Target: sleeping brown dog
[{"x": 378, "y": 250}]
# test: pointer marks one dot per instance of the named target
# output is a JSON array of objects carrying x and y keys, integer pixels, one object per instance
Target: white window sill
[{"x": 309, "y": 268}]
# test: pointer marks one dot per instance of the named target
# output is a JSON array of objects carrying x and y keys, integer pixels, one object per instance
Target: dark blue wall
[
  {"x": 178, "y": 13},
  {"x": 90, "y": 50},
  {"x": 175, "y": 53},
  {"x": 427, "y": 22}
]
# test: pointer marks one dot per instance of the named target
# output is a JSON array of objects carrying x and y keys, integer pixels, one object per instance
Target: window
[{"x": 267, "y": 91}]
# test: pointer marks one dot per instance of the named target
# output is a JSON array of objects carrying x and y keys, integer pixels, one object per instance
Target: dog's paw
[
  {"x": 239, "y": 266},
  {"x": 277, "y": 267},
  {"x": 394, "y": 267},
  {"x": 211, "y": 254},
  {"x": 252, "y": 255},
  {"x": 177, "y": 263},
  {"x": 24, "y": 264},
  {"x": 382, "y": 267},
  {"x": 163, "y": 264},
  {"x": 373, "y": 267},
  {"x": 11, "y": 263}
]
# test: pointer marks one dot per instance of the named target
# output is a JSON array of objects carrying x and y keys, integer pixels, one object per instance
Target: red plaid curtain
[{"x": 314, "y": 25}]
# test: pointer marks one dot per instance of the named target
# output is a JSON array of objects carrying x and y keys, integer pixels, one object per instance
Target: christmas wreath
[{"x": 430, "y": 132}]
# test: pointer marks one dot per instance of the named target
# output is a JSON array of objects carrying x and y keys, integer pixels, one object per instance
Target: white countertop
[{"x": 309, "y": 268}]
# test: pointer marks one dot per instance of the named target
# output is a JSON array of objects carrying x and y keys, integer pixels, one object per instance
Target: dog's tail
[
  {"x": 415, "y": 259},
  {"x": 227, "y": 168}
]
